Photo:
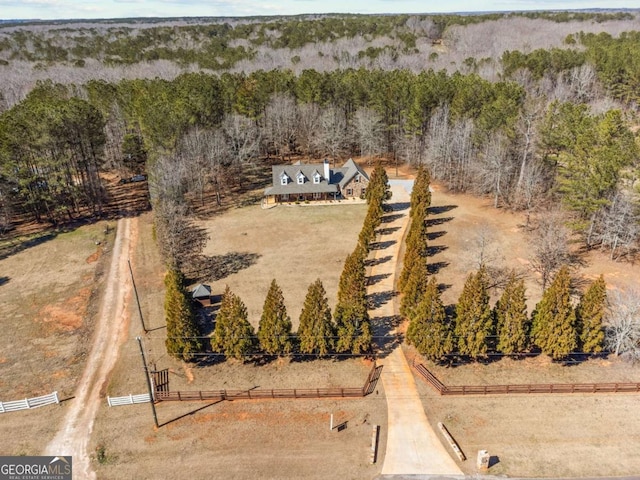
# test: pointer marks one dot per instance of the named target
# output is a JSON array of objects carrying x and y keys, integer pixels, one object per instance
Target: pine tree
[
  {"x": 274, "y": 330},
  {"x": 589, "y": 314},
  {"x": 315, "y": 332},
  {"x": 233, "y": 334},
  {"x": 183, "y": 334},
  {"x": 554, "y": 321},
  {"x": 429, "y": 330},
  {"x": 474, "y": 321},
  {"x": 421, "y": 194},
  {"x": 353, "y": 326},
  {"x": 511, "y": 317}
]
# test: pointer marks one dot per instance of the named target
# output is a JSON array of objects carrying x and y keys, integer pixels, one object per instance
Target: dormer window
[
  {"x": 300, "y": 178},
  {"x": 284, "y": 180},
  {"x": 316, "y": 178}
]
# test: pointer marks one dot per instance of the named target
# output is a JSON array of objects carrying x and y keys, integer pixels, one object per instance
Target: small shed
[{"x": 202, "y": 294}]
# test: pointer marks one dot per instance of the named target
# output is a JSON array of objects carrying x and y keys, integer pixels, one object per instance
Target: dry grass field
[
  {"x": 531, "y": 435},
  {"x": 541, "y": 435},
  {"x": 276, "y": 439},
  {"x": 49, "y": 283},
  {"x": 295, "y": 245},
  {"x": 48, "y": 288}
]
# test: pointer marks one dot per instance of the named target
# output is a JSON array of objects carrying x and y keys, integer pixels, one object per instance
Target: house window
[
  {"x": 349, "y": 192},
  {"x": 283, "y": 180},
  {"x": 300, "y": 179},
  {"x": 284, "y": 197},
  {"x": 316, "y": 178},
  {"x": 317, "y": 195},
  {"x": 364, "y": 191},
  {"x": 357, "y": 179}
]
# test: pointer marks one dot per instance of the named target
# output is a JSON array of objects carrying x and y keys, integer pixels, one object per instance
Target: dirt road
[
  {"x": 110, "y": 331},
  {"x": 412, "y": 445}
]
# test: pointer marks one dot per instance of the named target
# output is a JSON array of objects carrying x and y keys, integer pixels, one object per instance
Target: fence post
[
  {"x": 108, "y": 400},
  {"x": 26, "y": 400},
  {"x": 1, "y": 408},
  {"x": 55, "y": 396}
]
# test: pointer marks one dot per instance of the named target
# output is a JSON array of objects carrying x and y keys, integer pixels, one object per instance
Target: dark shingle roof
[
  {"x": 339, "y": 178},
  {"x": 292, "y": 186}
]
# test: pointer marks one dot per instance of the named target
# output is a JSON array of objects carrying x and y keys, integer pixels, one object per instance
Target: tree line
[
  {"x": 221, "y": 43},
  {"x": 196, "y": 133},
  {"x": 472, "y": 328},
  {"x": 347, "y": 331}
]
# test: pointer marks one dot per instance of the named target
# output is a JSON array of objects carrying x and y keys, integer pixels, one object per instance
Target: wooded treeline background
[{"x": 197, "y": 132}]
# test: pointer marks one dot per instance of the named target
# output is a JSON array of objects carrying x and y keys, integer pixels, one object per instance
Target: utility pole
[
  {"x": 135, "y": 290},
  {"x": 146, "y": 374}
]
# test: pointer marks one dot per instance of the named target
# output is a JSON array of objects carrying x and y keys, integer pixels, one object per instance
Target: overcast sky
[{"x": 55, "y": 9}]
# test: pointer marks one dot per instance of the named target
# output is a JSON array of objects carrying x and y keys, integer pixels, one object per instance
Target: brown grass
[
  {"x": 530, "y": 435},
  {"x": 46, "y": 319},
  {"x": 243, "y": 439}
]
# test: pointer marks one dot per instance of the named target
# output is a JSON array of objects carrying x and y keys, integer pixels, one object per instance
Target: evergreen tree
[
  {"x": 511, "y": 317},
  {"x": 589, "y": 314},
  {"x": 421, "y": 194},
  {"x": 233, "y": 334},
  {"x": 378, "y": 190},
  {"x": 183, "y": 340},
  {"x": 416, "y": 244},
  {"x": 474, "y": 321},
  {"x": 429, "y": 330},
  {"x": 371, "y": 221},
  {"x": 274, "y": 330},
  {"x": 554, "y": 321},
  {"x": 415, "y": 288},
  {"x": 351, "y": 317},
  {"x": 315, "y": 331}
]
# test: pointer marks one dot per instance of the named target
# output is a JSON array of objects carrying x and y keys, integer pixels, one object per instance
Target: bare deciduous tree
[
  {"x": 281, "y": 120},
  {"x": 622, "y": 333},
  {"x": 333, "y": 136},
  {"x": 369, "y": 132},
  {"x": 549, "y": 246}
]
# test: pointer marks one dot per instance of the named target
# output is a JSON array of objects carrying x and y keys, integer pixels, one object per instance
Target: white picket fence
[
  {"x": 128, "y": 400},
  {"x": 29, "y": 403}
]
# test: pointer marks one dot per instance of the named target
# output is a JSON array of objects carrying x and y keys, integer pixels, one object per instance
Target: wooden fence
[
  {"x": 162, "y": 395},
  {"x": 443, "y": 389},
  {"x": 128, "y": 400},
  {"x": 28, "y": 403}
]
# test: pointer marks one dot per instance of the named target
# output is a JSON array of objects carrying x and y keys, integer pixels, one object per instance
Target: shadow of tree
[
  {"x": 383, "y": 340},
  {"x": 387, "y": 231},
  {"x": 435, "y": 267},
  {"x": 376, "y": 300},
  {"x": 13, "y": 248},
  {"x": 435, "y": 249},
  {"x": 218, "y": 267},
  {"x": 382, "y": 245},
  {"x": 437, "y": 210},
  {"x": 372, "y": 262},
  {"x": 432, "y": 222},
  {"x": 434, "y": 235},
  {"x": 397, "y": 207},
  {"x": 391, "y": 218},
  {"x": 373, "y": 279}
]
